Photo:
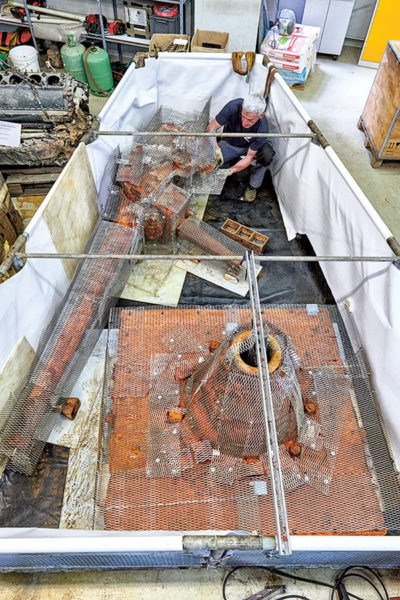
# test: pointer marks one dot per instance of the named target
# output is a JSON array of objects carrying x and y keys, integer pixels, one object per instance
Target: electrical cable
[
  {"x": 341, "y": 589},
  {"x": 90, "y": 75},
  {"x": 287, "y": 596},
  {"x": 340, "y": 581},
  {"x": 305, "y": 580},
  {"x": 374, "y": 573},
  {"x": 229, "y": 575},
  {"x": 315, "y": 581}
]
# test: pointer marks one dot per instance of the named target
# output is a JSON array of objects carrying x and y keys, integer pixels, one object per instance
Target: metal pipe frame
[
  {"x": 103, "y": 35},
  {"x": 119, "y": 47},
  {"x": 310, "y": 136},
  {"x": 278, "y": 494},
  {"x": 259, "y": 259},
  {"x": 28, "y": 17},
  {"x": 5, "y": 266}
]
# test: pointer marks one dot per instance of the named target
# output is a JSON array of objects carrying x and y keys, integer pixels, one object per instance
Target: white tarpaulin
[{"x": 316, "y": 194}]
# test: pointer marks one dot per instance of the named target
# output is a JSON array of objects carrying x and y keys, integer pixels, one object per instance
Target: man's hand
[
  {"x": 245, "y": 162},
  {"x": 219, "y": 159}
]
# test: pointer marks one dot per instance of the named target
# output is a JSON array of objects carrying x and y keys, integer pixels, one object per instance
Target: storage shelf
[
  {"x": 121, "y": 39},
  {"x": 118, "y": 39}
]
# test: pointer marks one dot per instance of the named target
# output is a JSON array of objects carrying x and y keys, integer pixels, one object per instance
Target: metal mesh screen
[
  {"x": 65, "y": 345},
  {"x": 33, "y": 563},
  {"x": 158, "y": 174},
  {"x": 183, "y": 443},
  {"x": 144, "y": 193}
]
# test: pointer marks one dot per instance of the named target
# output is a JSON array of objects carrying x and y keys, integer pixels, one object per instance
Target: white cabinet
[{"x": 333, "y": 17}]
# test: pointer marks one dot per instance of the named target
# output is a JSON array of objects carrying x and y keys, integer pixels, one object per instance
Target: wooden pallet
[
  {"x": 31, "y": 182},
  {"x": 376, "y": 161}
]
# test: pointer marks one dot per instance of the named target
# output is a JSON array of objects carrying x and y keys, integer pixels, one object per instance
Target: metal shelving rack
[{"x": 120, "y": 40}]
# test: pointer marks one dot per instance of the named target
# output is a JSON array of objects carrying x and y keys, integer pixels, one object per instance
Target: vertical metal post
[
  {"x": 115, "y": 12},
  {"x": 28, "y": 18},
  {"x": 278, "y": 494},
  {"x": 181, "y": 5},
  {"x": 103, "y": 35}
]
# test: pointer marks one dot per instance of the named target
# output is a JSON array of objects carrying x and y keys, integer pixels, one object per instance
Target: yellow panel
[{"x": 385, "y": 27}]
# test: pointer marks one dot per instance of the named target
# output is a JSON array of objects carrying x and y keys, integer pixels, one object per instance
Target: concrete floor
[
  {"x": 183, "y": 584},
  {"x": 334, "y": 96}
]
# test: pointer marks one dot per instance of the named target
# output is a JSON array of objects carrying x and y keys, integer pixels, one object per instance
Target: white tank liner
[{"x": 317, "y": 197}]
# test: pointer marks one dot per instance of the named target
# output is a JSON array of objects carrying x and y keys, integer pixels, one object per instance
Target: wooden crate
[
  {"x": 380, "y": 119},
  {"x": 249, "y": 238}
]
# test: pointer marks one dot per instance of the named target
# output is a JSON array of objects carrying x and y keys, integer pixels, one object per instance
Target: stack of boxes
[{"x": 294, "y": 56}]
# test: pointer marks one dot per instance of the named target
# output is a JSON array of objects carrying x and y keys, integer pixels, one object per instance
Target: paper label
[
  {"x": 136, "y": 16},
  {"x": 10, "y": 134}
]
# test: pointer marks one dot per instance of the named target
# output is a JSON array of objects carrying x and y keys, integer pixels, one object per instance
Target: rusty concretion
[
  {"x": 213, "y": 486},
  {"x": 84, "y": 305},
  {"x": 70, "y": 408},
  {"x": 168, "y": 209},
  {"x": 234, "y": 381}
]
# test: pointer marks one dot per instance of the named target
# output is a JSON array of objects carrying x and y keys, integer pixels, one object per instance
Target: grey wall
[{"x": 360, "y": 19}]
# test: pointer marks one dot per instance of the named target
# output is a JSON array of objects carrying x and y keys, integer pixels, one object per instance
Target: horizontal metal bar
[
  {"x": 206, "y": 134},
  {"x": 259, "y": 259}
]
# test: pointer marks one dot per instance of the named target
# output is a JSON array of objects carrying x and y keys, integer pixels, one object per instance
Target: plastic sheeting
[
  {"x": 35, "y": 501},
  {"x": 317, "y": 197},
  {"x": 295, "y": 283}
]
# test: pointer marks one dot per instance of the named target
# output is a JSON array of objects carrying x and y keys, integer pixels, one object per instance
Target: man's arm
[
  {"x": 213, "y": 126},
  {"x": 245, "y": 162}
]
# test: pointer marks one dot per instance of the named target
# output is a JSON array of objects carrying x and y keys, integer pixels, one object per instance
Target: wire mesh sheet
[
  {"x": 65, "y": 346},
  {"x": 158, "y": 174},
  {"x": 183, "y": 438}
]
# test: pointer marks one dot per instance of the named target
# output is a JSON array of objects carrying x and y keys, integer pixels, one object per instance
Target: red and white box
[{"x": 294, "y": 49}]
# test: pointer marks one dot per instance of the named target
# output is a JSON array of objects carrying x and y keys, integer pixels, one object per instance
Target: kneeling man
[{"x": 244, "y": 116}]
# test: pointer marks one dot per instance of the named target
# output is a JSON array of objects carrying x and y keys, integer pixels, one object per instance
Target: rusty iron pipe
[{"x": 229, "y": 542}]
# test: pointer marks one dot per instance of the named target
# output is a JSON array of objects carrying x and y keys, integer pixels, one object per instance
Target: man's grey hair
[{"x": 254, "y": 104}]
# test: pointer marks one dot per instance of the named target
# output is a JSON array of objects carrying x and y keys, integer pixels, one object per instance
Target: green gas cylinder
[
  {"x": 72, "y": 57},
  {"x": 98, "y": 70}
]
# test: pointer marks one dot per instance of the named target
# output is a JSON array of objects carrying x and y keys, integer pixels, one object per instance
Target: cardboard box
[
  {"x": 168, "y": 42},
  {"x": 210, "y": 41},
  {"x": 293, "y": 48}
]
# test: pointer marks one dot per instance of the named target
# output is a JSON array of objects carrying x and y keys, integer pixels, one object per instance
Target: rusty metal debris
[
  {"x": 70, "y": 408},
  {"x": 53, "y": 111},
  {"x": 159, "y": 175},
  {"x": 183, "y": 442}
]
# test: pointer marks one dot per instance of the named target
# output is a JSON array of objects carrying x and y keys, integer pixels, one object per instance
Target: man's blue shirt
[{"x": 231, "y": 118}]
